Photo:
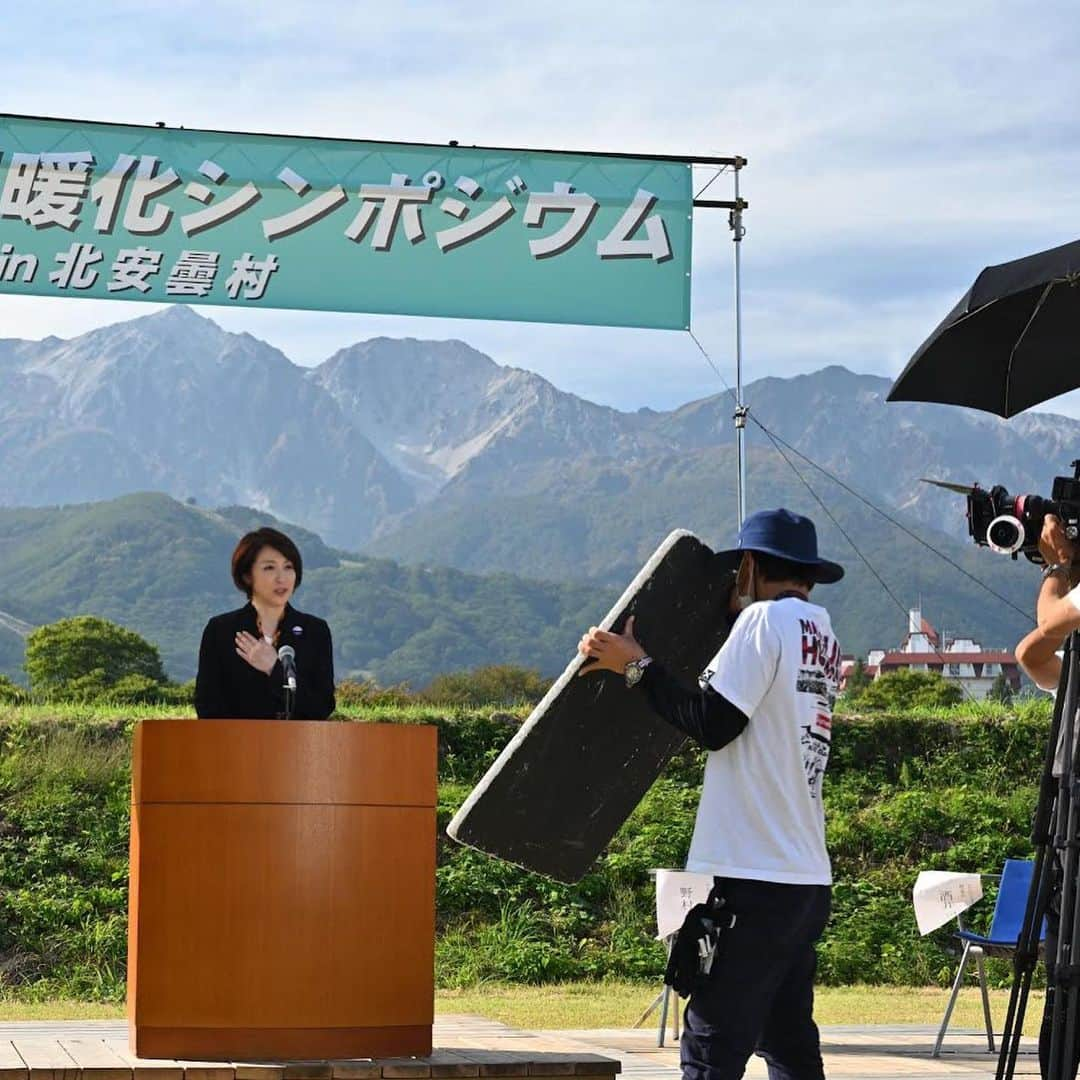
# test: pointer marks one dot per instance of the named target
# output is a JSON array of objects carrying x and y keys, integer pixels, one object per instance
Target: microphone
[{"x": 287, "y": 656}]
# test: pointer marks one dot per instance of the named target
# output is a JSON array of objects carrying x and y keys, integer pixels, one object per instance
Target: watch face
[{"x": 633, "y": 673}]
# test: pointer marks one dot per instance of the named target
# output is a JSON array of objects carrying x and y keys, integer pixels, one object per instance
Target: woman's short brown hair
[{"x": 243, "y": 558}]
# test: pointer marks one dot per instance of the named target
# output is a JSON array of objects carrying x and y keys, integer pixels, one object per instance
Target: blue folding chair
[{"x": 1004, "y": 934}]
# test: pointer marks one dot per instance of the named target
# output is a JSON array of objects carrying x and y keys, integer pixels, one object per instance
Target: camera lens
[{"x": 1005, "y": 535}]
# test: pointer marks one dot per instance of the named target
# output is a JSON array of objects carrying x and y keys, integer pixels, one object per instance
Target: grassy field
[
  {"x": 613, "y": 1004},
  {"x": 607, "y": 1005}
]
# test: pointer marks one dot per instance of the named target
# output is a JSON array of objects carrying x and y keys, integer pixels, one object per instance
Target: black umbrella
[{"x": 1011, "y": 342}]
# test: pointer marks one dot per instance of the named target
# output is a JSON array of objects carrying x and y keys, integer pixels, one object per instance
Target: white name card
[
  {"x": 677, "y": 891},
  {"x": 940, "y": 895}
]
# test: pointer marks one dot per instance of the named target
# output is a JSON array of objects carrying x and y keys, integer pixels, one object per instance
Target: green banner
[{"x": 204, "y": 217}]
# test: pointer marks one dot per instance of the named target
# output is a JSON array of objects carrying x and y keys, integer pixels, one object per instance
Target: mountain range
[{"x": 432, "y": 454}]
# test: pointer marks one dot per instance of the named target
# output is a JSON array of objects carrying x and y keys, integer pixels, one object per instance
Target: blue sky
[{"x": 894, "y": 149}]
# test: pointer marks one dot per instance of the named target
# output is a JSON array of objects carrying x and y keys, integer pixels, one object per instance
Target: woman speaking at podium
[{"x": 245, "y": 661}]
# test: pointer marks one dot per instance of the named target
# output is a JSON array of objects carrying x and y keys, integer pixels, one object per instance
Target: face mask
[{"x": 745, "y": 586}]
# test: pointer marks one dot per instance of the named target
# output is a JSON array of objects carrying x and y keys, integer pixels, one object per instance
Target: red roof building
[{"x": 958, "y": 659}]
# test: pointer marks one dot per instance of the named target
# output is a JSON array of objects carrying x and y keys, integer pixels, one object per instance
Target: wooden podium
[{"x": 282, "y": 889}]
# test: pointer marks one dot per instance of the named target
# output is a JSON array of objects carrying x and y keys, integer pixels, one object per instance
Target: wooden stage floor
[{"x": 470, "y": 1046}]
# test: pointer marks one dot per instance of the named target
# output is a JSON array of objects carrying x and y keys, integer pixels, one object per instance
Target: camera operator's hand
[
  {"x": 612, "y": 652},
  {"x": 1056, "y": 614},
  {"x": 1054, "y": 545}
]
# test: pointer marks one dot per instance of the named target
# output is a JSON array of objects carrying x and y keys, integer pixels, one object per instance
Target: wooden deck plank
[
  {"x": 208, "y": 1070},
  {"x": 12, "y": 1067},
  {"x": 447, "y": 1062},
  {"x": 46, "y": 1059},
  {"x": 87, "y": 1058},
  {"x": 548, "y": 1056},
  {"x": 403, "y": 1068},
  {"x": 596, "y": 1065},
  {"x": 355, "y": 1069},
  {"x": 259, "y": 1070},
  {"x": 146, "y": 1068},
  {"x": 93, "y": 1055},
  {"x": 489, "y": 1062},
  {"x": 308, "y": 1070}
]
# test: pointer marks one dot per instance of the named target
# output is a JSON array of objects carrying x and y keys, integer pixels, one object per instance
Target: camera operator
[
  {"x": 1057, "y": 609},
  {"x": 764, "y": 714},
  {"x": 1057, "y": 613}
]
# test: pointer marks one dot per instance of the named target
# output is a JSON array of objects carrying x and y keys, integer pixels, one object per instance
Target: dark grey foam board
[{"x": 581, "y": 762}]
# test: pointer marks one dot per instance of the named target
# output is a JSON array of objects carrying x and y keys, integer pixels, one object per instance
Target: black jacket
[{"x": 228, "y": 687}]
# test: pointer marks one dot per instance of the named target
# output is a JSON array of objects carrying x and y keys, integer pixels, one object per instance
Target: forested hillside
[{"x": 161, "y": 568}]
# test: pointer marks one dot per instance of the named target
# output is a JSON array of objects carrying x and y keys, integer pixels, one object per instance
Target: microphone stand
[{"x": 287, "y": 658}]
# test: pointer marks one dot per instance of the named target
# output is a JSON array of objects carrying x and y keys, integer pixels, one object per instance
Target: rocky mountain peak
[
  {"x": 421, "y": 359},
  {"x": 173, "y": 402}
]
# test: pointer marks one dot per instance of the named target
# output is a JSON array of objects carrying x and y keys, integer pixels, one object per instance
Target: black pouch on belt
[{"x": 695, "y": 945}]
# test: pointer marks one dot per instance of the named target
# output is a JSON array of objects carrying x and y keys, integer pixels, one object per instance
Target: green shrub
[
  {"x": 904, "y": 690},
  {"x": 354, "y": 693},
  {"x": 857, "y": 681},
  {"x": 496, "y": 684},
  {"x": 516, "y": 946},
  {"x": 944, "y": 790},
  {"x": 63, "y": 864},
  {"x": 11, "y": 693},
  {"x": 134, "y": 690},
  {"x": 86, "y": 657}
]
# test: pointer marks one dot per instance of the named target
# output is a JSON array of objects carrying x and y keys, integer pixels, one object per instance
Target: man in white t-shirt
[{"x": 764, "y": 711}]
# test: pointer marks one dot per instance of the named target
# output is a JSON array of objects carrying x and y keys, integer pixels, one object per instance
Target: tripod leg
[
  {"x": 1042, "y": 835},
  {"x": 1067, "y": 827},
  {"x": 980, "y": 965},
  {"x": 653, "y": 1006},
  {"x": 957, "y": 983},
  {"x": 663, "y": 1016},
  {"x": 1068, "y": 986}
]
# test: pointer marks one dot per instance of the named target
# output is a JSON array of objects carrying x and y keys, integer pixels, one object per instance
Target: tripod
[{"x": 1055, "y": 836}]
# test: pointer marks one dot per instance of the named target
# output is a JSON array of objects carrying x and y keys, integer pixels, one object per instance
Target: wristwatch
[
  {"x": 635, "y": 669},
  {"x": 1055, "y": 568}
]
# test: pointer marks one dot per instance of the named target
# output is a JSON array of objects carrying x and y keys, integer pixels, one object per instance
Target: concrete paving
[{"x": 870, "y": 1052}]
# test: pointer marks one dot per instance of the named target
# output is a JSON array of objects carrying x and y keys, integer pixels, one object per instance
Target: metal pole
[{"x": 738, "y": 232}]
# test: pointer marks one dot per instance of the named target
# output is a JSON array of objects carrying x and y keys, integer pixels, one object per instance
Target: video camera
[{"x": 1011, "y": 524}]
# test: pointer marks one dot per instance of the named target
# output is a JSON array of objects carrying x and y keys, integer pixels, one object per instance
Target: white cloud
[{"x": 882, "y": 139}]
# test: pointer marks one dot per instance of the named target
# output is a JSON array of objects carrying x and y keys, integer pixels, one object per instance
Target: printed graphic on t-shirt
[
  {"x": 779, "y": 666},
  {"x": 817, "y": 680}
]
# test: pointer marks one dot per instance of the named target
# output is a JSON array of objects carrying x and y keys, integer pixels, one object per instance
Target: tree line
[{"x": 90, "y": 659}]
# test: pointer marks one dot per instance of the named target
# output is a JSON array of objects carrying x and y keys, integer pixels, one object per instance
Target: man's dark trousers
[{"x": 759, "y": 995}]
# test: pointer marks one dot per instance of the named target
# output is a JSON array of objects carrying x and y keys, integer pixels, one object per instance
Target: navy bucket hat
[{"x": 785, "y": 535}]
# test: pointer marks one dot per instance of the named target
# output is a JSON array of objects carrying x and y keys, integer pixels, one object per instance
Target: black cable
[
  {"x": 843, "y": 532},
  {"x": 778, "y": 443},
  {"x": 716, "y": 176},
  {"x": 862, "y": 498},
  {"x": 869, "y": 566},
  {"x": 903, "y": 528}
]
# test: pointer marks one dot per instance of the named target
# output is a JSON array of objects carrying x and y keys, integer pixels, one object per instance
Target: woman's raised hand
[{"x": 260, "y": 654}]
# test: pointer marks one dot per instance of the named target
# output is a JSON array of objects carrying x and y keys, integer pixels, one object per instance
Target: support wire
[
  {"x": 862, "y": 498},
  {"x": 780, "y": 445}
]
